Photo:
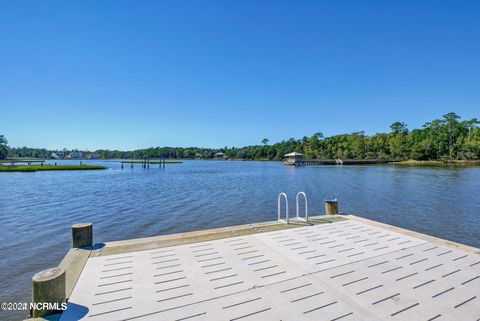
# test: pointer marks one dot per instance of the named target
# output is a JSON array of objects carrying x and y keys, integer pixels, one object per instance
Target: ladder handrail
[
  {"x": 279, "y": 207},
  {"x": 306, "y": 206}
]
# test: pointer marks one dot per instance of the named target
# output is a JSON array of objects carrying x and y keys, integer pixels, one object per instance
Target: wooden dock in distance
[
  {"x": 318, "y": 162},
  {"x": 152, "y": 161},
  {"x": 298, "y": 159},
  {"x": 333, "y": 268}
]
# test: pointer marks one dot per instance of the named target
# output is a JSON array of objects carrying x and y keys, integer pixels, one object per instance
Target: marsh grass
[{"x": 48, "y": 167}]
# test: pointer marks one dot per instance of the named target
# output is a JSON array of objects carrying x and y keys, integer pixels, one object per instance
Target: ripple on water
[{"x": 37, "y": 209}]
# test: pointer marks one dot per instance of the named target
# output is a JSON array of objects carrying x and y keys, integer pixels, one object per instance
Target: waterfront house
[
  {"x": 57, "y": 155},
  {"x": 75, "y": 155},
  {"x": 94, "y": 156},
  {"x": 294, "y": 159},
  {"x": 219, "y": 155}
]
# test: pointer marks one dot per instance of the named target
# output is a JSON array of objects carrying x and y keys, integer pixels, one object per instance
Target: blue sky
[{"x": 133, "y": 74}]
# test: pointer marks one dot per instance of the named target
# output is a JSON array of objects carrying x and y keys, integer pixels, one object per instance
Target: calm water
[{"x": 37, "y": 209}]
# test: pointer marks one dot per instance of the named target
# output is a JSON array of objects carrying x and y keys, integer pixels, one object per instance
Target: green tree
[
  {"x": 470, "y": 124},
  {"x": 378, "y": 146},
  {"x": 399, "y": 128},
  {"x": 397, "y": 140},
  {"x": 265, "y": 141},
  {"x": 3, "y": 147},
  {"x": 451, "y": 121},
  {"x": 312, "y": 145}
]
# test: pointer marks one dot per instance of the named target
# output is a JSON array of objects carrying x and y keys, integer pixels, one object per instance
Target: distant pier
[
  {"x": 298, "y": 159},
  {"x": 314, "y": 162},
  {"x": 152, "y": 161},
  {"x": 146, "y": 162}
]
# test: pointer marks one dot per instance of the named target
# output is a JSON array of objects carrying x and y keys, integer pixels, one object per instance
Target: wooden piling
[
  {"x": 331, "y": 207},
  {"x": 48, "y": 287},
  {"x": 82, "y": 235}
]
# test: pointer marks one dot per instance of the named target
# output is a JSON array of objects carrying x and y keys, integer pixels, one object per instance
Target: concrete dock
[{"x": 337, "y": 267}]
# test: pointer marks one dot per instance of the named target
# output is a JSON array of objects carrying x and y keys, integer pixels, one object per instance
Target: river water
[{"x": 37, "y": 209}]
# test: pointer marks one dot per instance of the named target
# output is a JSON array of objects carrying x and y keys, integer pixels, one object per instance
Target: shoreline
[{"x": 408, "y": 162}]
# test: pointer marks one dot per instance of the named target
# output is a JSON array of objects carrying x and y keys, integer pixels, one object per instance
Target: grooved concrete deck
[{"x": 346, "y": 270}]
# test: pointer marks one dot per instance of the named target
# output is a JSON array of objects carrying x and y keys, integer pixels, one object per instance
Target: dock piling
[
  {"x": 331, "y": 207},
  {"x": 82, "y": 235},
  {"x": 48, "y": 286}
]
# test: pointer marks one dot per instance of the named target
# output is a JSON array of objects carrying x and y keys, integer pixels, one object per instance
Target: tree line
[{"x": 447, "y": 138}]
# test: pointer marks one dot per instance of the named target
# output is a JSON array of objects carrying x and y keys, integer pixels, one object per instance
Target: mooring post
[
  {"x": 82, "y": 235},
  {"x": 331, "y": 207},
  {"x": 48, "y": 291}
]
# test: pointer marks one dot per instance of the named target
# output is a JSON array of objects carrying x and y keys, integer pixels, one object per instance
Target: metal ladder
[
  {"x": 297, "y": 203},
  {"x": 279, "y": 207},
  {"x": 306, "y": 207}
]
